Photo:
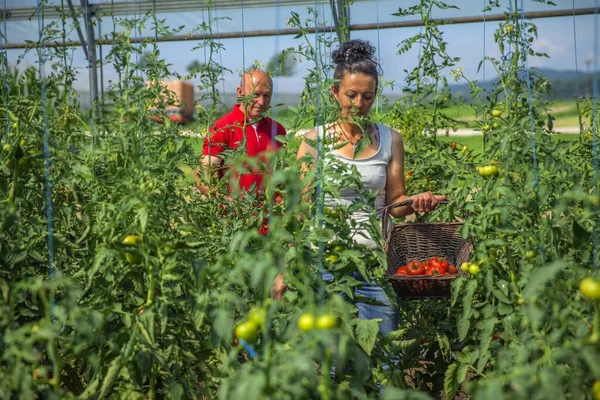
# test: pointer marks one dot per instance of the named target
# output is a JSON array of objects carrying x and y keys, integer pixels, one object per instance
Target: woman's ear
[{"x": 334, "y": 91}]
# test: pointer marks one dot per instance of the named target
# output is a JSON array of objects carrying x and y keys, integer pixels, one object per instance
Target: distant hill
[{"x": 565, "y": 84}]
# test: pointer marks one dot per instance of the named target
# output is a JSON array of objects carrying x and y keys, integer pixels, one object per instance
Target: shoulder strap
[{"x": 385, "y": 135}]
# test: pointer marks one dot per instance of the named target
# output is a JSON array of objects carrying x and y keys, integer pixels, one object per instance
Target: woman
[{"x": 380, "y": 160}]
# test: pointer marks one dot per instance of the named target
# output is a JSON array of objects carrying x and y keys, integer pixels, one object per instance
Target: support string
[
  {"x": 320, "y": 164},
  {"x": 46, "y": 140},
  {"x": 595, "y": 93},
  {"x": 576, "y": 74},
  {"x": 5, "y": 66},
  {"x": 531, "y": 124}
]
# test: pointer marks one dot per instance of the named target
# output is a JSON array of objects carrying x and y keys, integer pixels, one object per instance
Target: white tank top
[{"x": 373, "y": 172}]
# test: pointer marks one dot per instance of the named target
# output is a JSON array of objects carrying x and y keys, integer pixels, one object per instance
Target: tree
[
  {"x": 193, "y": 66},
  {"x": 282, "y": 64}
]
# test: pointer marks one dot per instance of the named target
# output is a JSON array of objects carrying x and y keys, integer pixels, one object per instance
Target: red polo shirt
[{"x": 228, "y": 133}]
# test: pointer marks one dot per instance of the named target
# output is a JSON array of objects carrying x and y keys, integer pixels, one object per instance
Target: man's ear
[{"x": 240, "y": 92}]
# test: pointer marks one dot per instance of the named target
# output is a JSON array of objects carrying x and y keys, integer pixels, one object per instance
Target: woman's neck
[{"x": 351, "y": 129}]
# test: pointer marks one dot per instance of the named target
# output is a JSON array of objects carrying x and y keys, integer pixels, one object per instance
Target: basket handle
[{"x": 386, "y": 210}]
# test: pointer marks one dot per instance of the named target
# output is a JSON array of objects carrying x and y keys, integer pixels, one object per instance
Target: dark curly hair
[{"x": 355, "y": 56}]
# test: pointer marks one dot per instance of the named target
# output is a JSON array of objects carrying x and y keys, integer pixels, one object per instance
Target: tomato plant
[{"x": 149, "y": 280}]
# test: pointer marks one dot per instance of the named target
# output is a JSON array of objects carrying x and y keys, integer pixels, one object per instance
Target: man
[{"x": 245, "y": 125}]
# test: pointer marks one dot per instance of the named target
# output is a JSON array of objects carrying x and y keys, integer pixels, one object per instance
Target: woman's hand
[
  {"x": 278, "y": 288},
  {"x": 425, "y": 202}
]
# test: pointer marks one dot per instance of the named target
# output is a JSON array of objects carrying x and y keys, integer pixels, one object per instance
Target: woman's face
[{"x": 355, "y": 94}]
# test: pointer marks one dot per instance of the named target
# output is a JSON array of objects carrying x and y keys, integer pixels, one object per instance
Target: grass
[{"x": 475, "y": 143}]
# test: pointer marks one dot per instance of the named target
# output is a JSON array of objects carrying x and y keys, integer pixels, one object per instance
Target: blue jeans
[{"x": 387, "y": 312}]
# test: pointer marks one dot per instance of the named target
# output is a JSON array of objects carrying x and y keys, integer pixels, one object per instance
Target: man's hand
[{"x": 278, "y": 288}]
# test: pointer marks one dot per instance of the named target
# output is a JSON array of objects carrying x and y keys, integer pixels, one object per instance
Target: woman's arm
[
  {"x": 396, "y": 188},
  {"x": 304, "y": 150}
]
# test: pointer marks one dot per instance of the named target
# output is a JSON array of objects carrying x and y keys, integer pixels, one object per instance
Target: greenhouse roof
[{"x": 24, "y": 9}]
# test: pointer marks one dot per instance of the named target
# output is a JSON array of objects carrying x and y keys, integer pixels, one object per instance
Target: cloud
[{"x": 553, "y": 50}]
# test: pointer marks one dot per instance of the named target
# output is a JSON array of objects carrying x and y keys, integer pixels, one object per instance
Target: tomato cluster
[
  {"x": 431, "y": 266},
  {"x": 250, "y": 328},
  {"x": 307, "y": 322}
]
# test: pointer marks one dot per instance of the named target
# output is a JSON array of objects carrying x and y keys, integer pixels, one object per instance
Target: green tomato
[
  {"x": 496, "y": 113},
  {"x": 333, "y": 258},
  {"x": 473, "y": 269},
  {"x": 258, "y": 316},
  {"x": 590, "y": 288},
  {"x": 465, "y": 266},
  {"x": 6, "y": 147},
  {"x": 529, "y": 254},
  {"x": 596, "y": 390},
  {"x": 130, "y": 240},
  {"x": 486, "y": 128},
  {"x": 488, "y": 170},
  {"x": 326, "y": 322},
  {"x": 306, "y": 322},
  {"x": 248, "y": 331},
  {"x": 338, "y": 249},
  {"x": 133, "y": 259}
]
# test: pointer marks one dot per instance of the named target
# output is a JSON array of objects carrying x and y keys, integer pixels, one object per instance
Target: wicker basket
[{"x": 421, "y": 241}]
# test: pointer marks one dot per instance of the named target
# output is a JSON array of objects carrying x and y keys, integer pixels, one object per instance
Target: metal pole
[
  {"x": 77, "y": 26},
  {"x": 101, "y": 66},
  {"x": 91, "y": 51},
  {"x": 293, "y": 31}
]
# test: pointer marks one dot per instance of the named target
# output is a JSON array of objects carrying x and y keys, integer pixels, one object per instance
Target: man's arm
[
  {"x": 205, "y": 171},
  {"x": 210, "y": 162}
]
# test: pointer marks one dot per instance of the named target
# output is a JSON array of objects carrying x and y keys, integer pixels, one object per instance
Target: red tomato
[
  {"x": 439, "y": 262},
  {"x": 401, "y": 271},
  {"x": 415, "y": 268},
  {"x": 435, "y": 270},
  {"x": 452, "y": 269}
]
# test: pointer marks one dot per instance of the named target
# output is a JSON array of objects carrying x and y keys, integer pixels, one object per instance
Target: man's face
[{"x": 257, "y": 89}]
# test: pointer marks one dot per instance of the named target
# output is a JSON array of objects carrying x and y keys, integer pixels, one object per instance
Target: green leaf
[
  {"x": 102, "y": 253},
  {"x": 393, "y": 393},
  {"x": 592, "y": 362},
  {"x": 175, "y": 391},
  {"x": 393, "y": 336},
  {"x": 461, "y": 373},
  {"x": 222, "y": 324},
  {"x": 541, "y": 276},
  {"x": 501, "y": 296},
  {"x": 486, "y": 330},
  {"x": 366, "y": 331},
  {"x": 581, "y": 237},
  {"x": 111, "y": 376},
  {"x": 451, "y": 381},
  {"x": 464, "y": 321},
  {"x": 457, "y": 285}
]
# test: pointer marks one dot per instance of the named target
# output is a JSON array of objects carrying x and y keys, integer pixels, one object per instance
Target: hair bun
[{"x": 354, "y": 50}]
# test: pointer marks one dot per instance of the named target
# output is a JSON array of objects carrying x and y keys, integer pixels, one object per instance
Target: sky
[{"x": 561, "y": 38}]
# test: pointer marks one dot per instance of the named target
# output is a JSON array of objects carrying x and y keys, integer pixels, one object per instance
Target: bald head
[{"x": 255, "y": 90}]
